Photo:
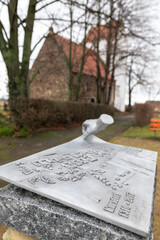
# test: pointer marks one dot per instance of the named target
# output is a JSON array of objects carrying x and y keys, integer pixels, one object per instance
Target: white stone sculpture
[
  {"x": 93, "y": 126},
  {"x": 111, "y": 182}
]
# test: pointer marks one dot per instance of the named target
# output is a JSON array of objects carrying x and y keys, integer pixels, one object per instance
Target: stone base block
[
  {"x": 46, "y": 219},
  {"x": 11, "y": 234}
]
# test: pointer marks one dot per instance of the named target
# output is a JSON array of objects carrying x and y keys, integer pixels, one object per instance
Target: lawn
[
  {"x": 6, "y": 129},
  {"x": 141, "y": 132},
  {"x": 142, "y": 138}
]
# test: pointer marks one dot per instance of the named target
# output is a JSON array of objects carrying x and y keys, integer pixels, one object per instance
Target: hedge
[
  {"x": 35, "y": 113},
  {"x": 143, "y": 114}
]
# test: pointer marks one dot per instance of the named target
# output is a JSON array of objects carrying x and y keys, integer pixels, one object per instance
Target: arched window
[{"x": 92, "y": 100}]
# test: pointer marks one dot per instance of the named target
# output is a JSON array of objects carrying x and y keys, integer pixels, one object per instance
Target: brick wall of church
[
  {"x": 88, "y": 90},
  {"x": 52, "y": 80}
]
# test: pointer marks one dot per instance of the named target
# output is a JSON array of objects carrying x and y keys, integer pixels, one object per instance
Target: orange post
[{"x": 155, "y": 126}]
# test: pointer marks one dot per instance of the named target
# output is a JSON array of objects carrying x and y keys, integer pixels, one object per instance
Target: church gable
[
  {"x": 52, "y": 70},
  {"x": 51, "y": 81}
]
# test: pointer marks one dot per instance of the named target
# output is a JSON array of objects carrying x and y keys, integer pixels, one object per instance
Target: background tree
[
  {"x": 17, "y": 66},
  {"x": 98, "y": 77},
  {"x": 138, "y": 69},
  {"x": 80, "y": 14},
  {"x": 124, "y": 20}
]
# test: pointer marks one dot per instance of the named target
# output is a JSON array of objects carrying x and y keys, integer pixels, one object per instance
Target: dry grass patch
[
  {"x": 153, "y": 146},
  {"x": 3, "y": 229}
]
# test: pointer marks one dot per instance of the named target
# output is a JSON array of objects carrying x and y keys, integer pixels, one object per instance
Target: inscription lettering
[
  {"x": 124, "y": 211},
  {"x": 44, "y": 179},
  {"x": 113, "y": 202},
  {"x": 34, "y": 180},
  {"x": 47, "y": 180},
  {"x": 69, "y": 167},
  {"x": 25, "y": 170},
  {"x": 129, "y": 198},
  {"x": 44, "y": 164}
]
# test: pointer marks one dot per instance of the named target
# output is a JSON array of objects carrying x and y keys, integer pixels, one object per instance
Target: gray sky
[{"x": 139, "y": 95}]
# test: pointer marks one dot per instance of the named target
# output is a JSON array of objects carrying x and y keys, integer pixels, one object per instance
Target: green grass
[
  {"x": 141, "y": 132},
  {"x": 3, "y": 122},
  {"x": 24, "y": 132},
  {"x": 6, "y": 131}
]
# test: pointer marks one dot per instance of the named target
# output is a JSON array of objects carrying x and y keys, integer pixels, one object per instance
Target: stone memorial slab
[{"x": 111, "y": 182}]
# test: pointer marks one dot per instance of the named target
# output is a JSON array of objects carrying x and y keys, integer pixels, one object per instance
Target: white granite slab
[{"x": 108, "y": 181}]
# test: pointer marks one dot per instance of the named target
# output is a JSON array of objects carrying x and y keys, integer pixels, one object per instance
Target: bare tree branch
[
  {"x": 3, "y": 29},
  {"x": 62, "y": 20},
  {"x": 44, "y": 36},
  {"x": 3, "y": 43},
  {"x": 6, "y": 4},
  {"x": 46, "y": 5},
  {"x": 133, "y": 34}
]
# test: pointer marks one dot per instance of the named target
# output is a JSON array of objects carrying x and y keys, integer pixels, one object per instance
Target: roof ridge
[{"x": 78, "y": 44}]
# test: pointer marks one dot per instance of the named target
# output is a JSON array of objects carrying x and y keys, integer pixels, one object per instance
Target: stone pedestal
[{"x": 46, "y": 219}]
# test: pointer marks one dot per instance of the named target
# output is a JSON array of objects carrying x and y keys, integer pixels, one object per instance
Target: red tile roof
[
  {"x": 77, "y": 53},
  {"x": 93, "y": 33}
]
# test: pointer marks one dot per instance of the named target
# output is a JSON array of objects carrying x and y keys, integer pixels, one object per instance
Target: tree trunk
[
  {"x": 17, "y": 72},
  {"x": 129, "y": 83},
  {"x": 110, "y": 90},
  {"x": 108, "y": 53},
  {"x": 80, "y": 74},
  {"x": 98, "y": 77},
  {"x": 24, "y": 88},
  {"x": 130, "y": 99},
  {"x": 70, "y": 55},
  {"x": 12, "y": 54}
]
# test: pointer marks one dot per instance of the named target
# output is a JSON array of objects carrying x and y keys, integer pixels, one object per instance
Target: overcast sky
[{"x": 139, "y": 95}]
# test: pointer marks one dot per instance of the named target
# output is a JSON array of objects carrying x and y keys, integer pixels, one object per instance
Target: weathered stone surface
[
  {"x": 11, "y": 234},
  {"x": 46, "y": 219}
]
